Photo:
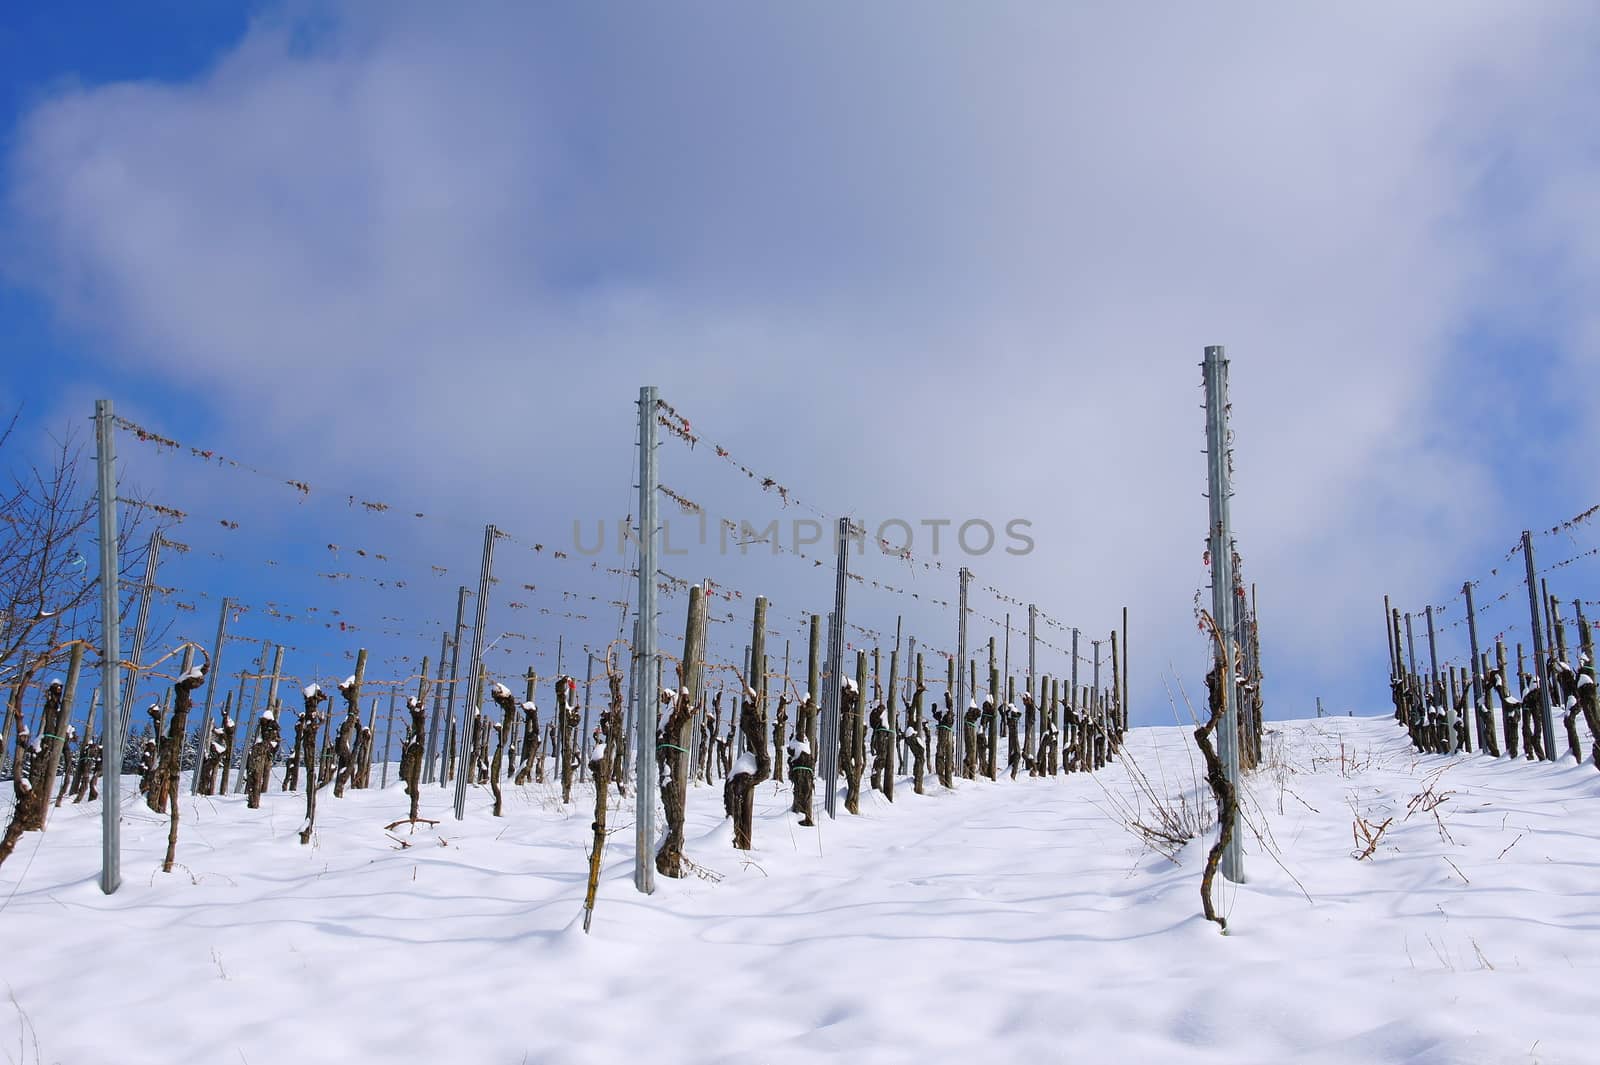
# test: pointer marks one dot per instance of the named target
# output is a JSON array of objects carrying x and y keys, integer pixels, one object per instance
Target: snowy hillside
[{"x": 1003, "y": 922}]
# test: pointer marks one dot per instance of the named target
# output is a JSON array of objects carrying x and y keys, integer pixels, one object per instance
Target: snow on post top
[
  {"x": 348, "y": 682},
  {"x": 194, "y": 673},
  {"x": 746, "y": 764},
  {"x": 500, "y": 690},
  {"x": 849, "y": 684},
  {"x": 311, "y": 691},
  {"x": 529, "y": 704}
]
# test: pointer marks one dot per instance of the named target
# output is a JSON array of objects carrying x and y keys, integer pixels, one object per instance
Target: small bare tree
[
  {"x": 306, "y": 728},
  {"x": 412, "y": 749},
  {"x": 182, "y": 702},
  {"x": 751, "y": 768},
  {"x": 532, "y": 757},
  {"x": 29, "y": 765},
  {"x": 944, "y": 759},
  {"x": 258, "y": 760},
  {"x": 672, "y": 754}
]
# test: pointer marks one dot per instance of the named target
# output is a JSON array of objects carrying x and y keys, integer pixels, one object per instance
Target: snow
[
  {"x": 530, "y": 705},
  {"x": 194, "y": 673},
  {"x": 501, "y": 690},
  {"x": 311, "y": 691},
  {"x": 849, "y": 684},
  {"x": 1004, "y": 921},
  {"x": 798, "y": 747},
  {"x": 745, "y": 763},
  {"x": 348, "y": 682}
]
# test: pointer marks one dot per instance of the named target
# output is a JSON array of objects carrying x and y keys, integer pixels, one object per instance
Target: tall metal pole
[
  {"x": 388, "y": 736},
  {"x": 245, "y": 736},
  {"x": 1123, "y": 701},
  {"x": 272, "y": 701},
  {"x": 213, "y": 682},
  {"x": 1033, "y": 676},
  {"x": 1538, "y": 648},
  {"x": 635, "y": 678},
  {"x": 1222, "y": 598},
  {"x": 829, "y": 747},
  {"x": 1476, "y": 670},
  {"x": 1005, "y": 670},
  {"x": 141, "y": 624},
  {"x": 965, "y": 576},
  {"x": 588, "y": 692},
  {"x": 1437, "y": 684},
  {"x": 438, "y": 708},
  {"x": 1072, "y": 699},
  {"x": 110, "y": 650},
  {"x": 455, "y": 671},
  {"x": 464, "y": 726},
  {"x": 645, "y": 696}
]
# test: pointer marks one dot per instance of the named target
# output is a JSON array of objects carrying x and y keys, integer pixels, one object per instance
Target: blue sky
[{"x": 913, "y": 261}]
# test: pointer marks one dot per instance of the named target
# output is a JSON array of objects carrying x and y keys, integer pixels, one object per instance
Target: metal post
[
  {"x": 1073, "y": 695},
  {"x": 1388, "y": 635},
  {"x": 388, "y": 737},
  {"x": 1033, "y": 675},
  {"x": 464, "y": 726},
  {"x": 110, "y": 651},
  {"x": 438, "y": 708},
  {"x": 1437, "y": 684},
  {"x": 588, "y": 691},
  {"x": 272, "y": 701},
  {"x": 213, "y": 681},
  {"x": 246, "y": 734},
  {"x": 1124, "y": 701},
  {"x": 829, "y": 747},
  {"x": 455, "y": 669},
  {"x": 962, "y": 695},
  {"x": 141, "y": 624},
  {"x": 1477, "y": 667},
  {"x": 1005, "y": 670},
  {"x": 1538, "y": 649},
  {"x": 1222, "y": 598},
  {"x": 645, "y": 705}
]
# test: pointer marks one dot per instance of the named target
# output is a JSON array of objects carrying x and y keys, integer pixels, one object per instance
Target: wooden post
[
  {"x": 889, "y": 718},
  {"x": 1388, "y": 639},
  {"x": 1123, "y": 704},
  {"x": 1539, "y": 650},
  {"x": 58, "y": 729},
  {"x": 992, "y": 743},
  {"x": 215, "y": 671}
]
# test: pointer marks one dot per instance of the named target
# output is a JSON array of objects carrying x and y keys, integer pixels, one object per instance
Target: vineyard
[{"x": 787, "y": 848}]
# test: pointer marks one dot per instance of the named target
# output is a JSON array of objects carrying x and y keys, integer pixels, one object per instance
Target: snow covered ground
[{"x": 1002, "y": 922}]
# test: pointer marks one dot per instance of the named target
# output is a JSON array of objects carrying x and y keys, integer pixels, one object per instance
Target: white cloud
[{"x": 927, "y": 261}]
